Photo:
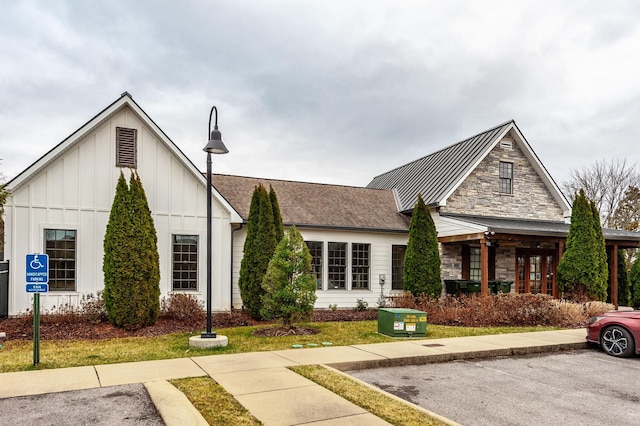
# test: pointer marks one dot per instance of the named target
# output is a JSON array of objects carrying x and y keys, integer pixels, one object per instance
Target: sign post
[{"x": 37, "y": 278}]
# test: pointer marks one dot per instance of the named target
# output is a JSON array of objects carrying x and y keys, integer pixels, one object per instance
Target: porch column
[
  {"x": 484, "y": 268},
  {"x": 613, "y": 268}
]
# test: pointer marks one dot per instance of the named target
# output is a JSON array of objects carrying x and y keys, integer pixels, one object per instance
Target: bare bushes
[
  {"x": 503, "y": 310},
  {"x": 182, "y": 307}
]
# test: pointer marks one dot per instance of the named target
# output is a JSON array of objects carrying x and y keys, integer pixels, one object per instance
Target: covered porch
[{"x": 524, "y": 252}]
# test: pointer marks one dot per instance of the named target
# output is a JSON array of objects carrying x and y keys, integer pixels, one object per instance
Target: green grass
[
  {"x": 216, "y": 405},
  {"x": 18, "y": 355}
]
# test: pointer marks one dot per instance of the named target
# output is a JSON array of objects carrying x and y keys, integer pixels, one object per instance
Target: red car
[{"x": 618, "y": 333}]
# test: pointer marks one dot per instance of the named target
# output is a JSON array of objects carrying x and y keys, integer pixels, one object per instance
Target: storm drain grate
[{"x": 432, "y": 345}]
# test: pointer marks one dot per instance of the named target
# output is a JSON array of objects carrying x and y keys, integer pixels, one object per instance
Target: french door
[{"x": 535, "y": 271}]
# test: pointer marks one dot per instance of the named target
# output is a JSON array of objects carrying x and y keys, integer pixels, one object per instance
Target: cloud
[{"x": 326, "y": 91}]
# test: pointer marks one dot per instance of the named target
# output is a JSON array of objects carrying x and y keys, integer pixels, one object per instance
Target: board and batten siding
[
  {"x": 380, "y": 261},
  {"x": 75, "y": 191}
]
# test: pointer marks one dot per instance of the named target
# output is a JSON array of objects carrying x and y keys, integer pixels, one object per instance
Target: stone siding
[
  {"x": 450, "y": 261},
  {"x": 479, "y": 193}
]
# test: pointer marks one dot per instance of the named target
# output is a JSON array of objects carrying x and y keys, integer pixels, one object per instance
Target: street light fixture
[{"x": 214, "y": 146}]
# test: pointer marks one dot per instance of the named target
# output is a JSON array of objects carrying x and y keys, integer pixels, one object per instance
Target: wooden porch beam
[
  {"x": 484, "y": 268},
  {"x": 613, "y": 267}
]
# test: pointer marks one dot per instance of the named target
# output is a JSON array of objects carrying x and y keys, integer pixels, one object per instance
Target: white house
[
  {"x": 498, "y": 213},
  {"x": 60, "y": 206}
]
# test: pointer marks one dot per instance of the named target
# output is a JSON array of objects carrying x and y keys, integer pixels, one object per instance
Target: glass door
[{"x": 535, "y": 270}]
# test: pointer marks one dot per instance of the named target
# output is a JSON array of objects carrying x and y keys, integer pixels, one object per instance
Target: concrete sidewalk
[{"x": 261, "y": 382}]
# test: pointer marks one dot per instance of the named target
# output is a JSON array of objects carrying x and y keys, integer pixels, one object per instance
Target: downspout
[{"x": 231, "y": 269}]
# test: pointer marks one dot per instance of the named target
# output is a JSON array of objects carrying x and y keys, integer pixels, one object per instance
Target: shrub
[
  {"x": 502, "y": 310},
  {"x": 259, "y": 247},
  {"x": 131, "y": 262},
  {"x": 182, "y": 307},
  {"x": 361, "y": 305},
  {"x": 92, "y": 308},
  {"x": 289, "y": 285},
  {"x": 422, "y": 258}
]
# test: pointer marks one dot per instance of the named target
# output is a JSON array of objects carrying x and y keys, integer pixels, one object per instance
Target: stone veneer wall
[
  {"x": 479, "y": 193},
  {"x": 450, "y": 261}
]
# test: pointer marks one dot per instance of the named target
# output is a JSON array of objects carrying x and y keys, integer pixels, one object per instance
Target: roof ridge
[
  {"x": 298, "y": 181},
  {"x": 445, "y": 148}
]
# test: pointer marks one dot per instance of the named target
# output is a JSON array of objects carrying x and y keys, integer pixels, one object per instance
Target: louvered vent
[
  {"x": 126, "y": 147},
  {"x": 506, "y": 144}
]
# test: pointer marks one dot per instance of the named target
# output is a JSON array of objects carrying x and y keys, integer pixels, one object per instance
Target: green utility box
[{"x": 400, "y": 322}]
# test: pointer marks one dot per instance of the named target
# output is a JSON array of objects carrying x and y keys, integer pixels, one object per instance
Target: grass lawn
[
  {"x": 18, "y": 355},
  {"x": 216, "y": 405}
]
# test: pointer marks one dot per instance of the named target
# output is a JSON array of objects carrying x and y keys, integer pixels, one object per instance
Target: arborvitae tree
[
  {"x": 117, "y": 247},
  {"x": 289, "y": 285},
  {"x": 422, "y": 258},
  {"x": 131, "y": 262},
  {"x": 623, "y": 280},
  {"x": 277, "y": 217},
  {"x": 148, "y": 273},
  {"x": 580, "y": 268},
  {"x": 600, "y": 287},
  {"x": 635, "y": 284},
  {"x": 259, "y": 247}
]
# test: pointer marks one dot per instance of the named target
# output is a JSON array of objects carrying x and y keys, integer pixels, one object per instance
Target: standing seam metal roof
[{"x": 434, "y": 175}]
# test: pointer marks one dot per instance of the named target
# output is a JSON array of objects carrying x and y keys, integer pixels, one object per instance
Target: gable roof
[
  {"x": 437, "y": 175},
  {"x": 124, "y": 101},
  {"x": 319, "y": 205}
]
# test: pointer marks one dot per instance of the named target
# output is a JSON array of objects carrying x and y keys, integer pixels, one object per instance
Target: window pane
[
  {"x": 337, "y": 265},
  {"x": 506, "y": 177},
  {"x": 315, "y": 248},
  {"x": 474, "y": 263},
  {"x": 60, "y": 245},
  {"x": 185, "y": 262},
  {"x": 397, "y": 266},
  {"x": 360, "y": 266}
]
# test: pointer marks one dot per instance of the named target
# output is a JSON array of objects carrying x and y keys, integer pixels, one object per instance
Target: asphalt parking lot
[
  {"x": 583, "y": 387},
  {"x": 114, "y": 405}
]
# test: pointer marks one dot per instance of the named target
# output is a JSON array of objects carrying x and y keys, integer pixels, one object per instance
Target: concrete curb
[
  {"x": 447, "y": 357},
  {"x": 174, "y": 407}
]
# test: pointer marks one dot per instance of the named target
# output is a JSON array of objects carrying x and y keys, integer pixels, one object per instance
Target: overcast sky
[{"x": 326, "y": 91}]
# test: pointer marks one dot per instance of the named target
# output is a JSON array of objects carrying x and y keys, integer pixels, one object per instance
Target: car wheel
[{"x": 617, "y": 341}]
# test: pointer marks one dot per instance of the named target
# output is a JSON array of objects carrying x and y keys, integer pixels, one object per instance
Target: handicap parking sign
[{"x": 37, "y": 275}]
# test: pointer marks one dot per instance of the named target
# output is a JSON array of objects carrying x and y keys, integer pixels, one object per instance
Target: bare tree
[{"x": 605, "y": 182}]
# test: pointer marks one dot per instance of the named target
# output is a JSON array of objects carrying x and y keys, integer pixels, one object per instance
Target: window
[
  {"x": 60, "y": 245},
  {"x": 126, "y": 147},
  {"x": 337, "y": 265},
  {"x": 397, "y": 267},
  {"x": 506, "y": 178},
  {"x": 185, "y": 262},
  {"x": 315, "y": 248},
  {"x": 360, "y": 266},
  {"x": 474, "y": 263}
]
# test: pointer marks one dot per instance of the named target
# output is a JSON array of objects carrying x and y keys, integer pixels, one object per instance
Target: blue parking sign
[{"x": 38, "y": 269}]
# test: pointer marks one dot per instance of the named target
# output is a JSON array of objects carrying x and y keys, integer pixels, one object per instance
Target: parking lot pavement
[
  {"x": 583, "y": 387},
  {"x": 114, "y": 405}
]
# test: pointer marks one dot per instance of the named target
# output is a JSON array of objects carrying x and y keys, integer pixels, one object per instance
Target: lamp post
[{"x": 214, "y": 146}]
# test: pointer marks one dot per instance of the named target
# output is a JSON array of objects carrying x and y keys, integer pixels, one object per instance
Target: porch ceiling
[{"x": 542, "y": 228}]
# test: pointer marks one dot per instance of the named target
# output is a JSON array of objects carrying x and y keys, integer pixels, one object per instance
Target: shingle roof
[
  {"x": 318, "y": 205},
  {"x": 435, "y": 175}
]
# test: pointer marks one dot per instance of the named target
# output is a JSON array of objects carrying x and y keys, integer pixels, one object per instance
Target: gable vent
[
  {"x": 506, "y": 144},
  {"x": 126, "y": 147}
]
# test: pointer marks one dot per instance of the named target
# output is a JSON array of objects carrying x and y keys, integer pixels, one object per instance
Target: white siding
[
  {"x": 75, "y": 191},
  {"x": 380, "y": 261}
]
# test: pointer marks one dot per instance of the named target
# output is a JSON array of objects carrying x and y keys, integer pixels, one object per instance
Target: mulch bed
[{"x": 73, "y": 327}]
